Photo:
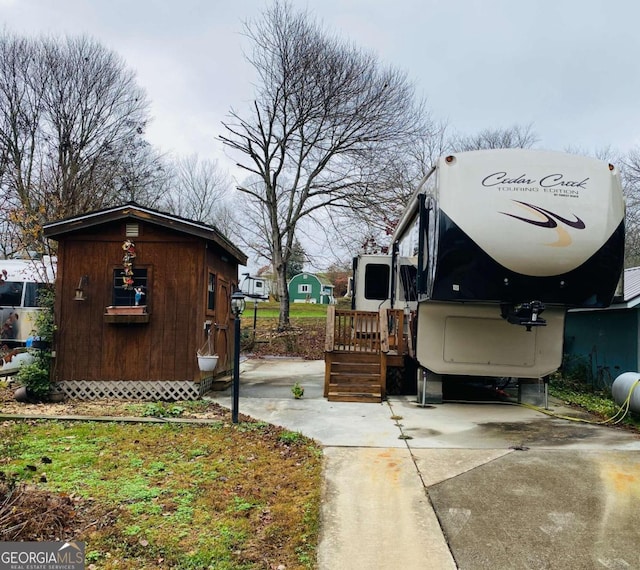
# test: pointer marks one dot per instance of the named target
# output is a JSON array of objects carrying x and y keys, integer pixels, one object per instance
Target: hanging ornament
[{"x": 127, "y": 263}]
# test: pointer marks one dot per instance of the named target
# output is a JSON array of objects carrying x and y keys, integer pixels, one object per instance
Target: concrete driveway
[{"x": 459, "y": 485}]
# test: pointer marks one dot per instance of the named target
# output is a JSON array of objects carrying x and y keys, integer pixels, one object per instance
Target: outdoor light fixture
[
  {"x": 80, "y": 296},
  {"x": 237, "y": 306},
  {"x": 237, "y": 303}
]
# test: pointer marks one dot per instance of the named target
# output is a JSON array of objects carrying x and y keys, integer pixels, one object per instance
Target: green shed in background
[{"x": 310, "y": 288}]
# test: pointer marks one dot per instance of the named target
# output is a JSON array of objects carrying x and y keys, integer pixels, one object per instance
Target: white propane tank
[{"x": 621, "y": 387}]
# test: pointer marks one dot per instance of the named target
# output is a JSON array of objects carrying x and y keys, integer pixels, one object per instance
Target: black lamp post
[
  {"x": 237, "y": 306},
  {"x": 252, "y": 294}
]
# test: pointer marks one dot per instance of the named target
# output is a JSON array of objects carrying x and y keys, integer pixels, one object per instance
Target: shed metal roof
[
  {"x": 132, "y": 210},
  {"x": 631, "y": 283}
]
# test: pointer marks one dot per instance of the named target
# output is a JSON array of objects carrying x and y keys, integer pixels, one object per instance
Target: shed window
[
  {"x": 211, "y": 292},
  {"x": 304, "y": 288},
  {"x": 127, "y": 297}
]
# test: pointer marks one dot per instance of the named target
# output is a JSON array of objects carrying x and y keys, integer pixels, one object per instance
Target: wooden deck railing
[
  {"x": 395, "y": 324},
  {"x": 365, "y": 331}
]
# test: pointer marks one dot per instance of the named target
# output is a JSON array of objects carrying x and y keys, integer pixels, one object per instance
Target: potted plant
[
  {"x": 34, "y": 380},
  {"x": 207, "y": 359}
]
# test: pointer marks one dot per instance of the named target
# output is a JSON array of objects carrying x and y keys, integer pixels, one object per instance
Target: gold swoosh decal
[{"x": 564, "y": 239}]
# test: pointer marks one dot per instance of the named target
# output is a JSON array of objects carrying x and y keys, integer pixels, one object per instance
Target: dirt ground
[
  {"x": 105, "y": 407},
  {"x": 304, "y": 340}
]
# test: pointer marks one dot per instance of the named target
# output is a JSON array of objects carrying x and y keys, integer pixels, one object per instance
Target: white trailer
[
  {"x": 491, "y": 251},
  {"x": 20, "y": 282}
]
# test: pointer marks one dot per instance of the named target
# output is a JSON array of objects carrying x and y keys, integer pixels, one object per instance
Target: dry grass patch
[{"x": 305, "y": 339}]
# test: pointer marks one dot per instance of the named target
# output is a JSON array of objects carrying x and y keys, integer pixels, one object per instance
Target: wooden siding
[{"x": 88, "y": 348}]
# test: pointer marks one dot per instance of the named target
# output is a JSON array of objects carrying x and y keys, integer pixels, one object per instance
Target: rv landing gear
[
  {"x": 524, "y": 314},
  {"x": 429, "y": 388}
]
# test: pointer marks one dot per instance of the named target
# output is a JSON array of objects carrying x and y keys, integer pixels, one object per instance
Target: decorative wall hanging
[{"x": 127, "y": 262}]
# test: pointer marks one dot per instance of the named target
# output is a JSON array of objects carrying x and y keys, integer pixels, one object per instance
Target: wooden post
[
  {"x": 328, "y": 359},
  {"x": 331, "y": 328},
  {"x": 384, "y": 349},
  {"x": 384, "y": 331},
  {"x": 329, "y": 343},
  {"x": 383, "y": 375}
]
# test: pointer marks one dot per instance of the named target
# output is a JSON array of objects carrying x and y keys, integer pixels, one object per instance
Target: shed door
[{"x": 223, "y": 327}]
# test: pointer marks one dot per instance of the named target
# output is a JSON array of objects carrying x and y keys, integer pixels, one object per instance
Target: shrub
[{"x": 35, "y": 376}]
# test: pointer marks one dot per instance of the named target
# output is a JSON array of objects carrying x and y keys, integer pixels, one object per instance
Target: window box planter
[{"x": 124, "y": 314}]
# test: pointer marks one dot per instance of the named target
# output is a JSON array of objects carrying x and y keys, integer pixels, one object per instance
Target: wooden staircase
[
  {"x": 356, "y": 349},
  {"x": 354, "y": 377}
]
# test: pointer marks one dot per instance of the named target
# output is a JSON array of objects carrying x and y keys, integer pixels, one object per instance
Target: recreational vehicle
[
  {"x": 491, "y": 251},
  {"x": 20, "y": 282}
]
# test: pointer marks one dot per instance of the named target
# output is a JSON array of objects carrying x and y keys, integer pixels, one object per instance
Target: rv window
[
  {"x": 376, "y": 281},
  {"x": 31, "y": 293},
  {"x": 408, "y": 275},
  {"x": 11, "y": 294},
  {"x": 126, "y": 297}
]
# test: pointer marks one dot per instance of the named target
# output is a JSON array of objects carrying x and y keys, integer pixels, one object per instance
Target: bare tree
[
  {"x": 630, "y": 167},
  {"x": 199, "y": 192},
  {"x": 514, "y": 137},
  {"x": 325, "y": 120},
  {"x": 71, "y": 123},
  {"x": 371, "y": 228},
  {"x": 143, "y": 176}
]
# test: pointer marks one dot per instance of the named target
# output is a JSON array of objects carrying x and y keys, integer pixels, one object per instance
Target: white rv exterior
[
  {"x": 495, "y": 239},
  {"x": 256, "y": 288},
  {"x": 19, "y": 297}
]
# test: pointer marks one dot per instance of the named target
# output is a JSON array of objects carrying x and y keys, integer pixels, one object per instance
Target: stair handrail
[{"x": 349, "y": 330}]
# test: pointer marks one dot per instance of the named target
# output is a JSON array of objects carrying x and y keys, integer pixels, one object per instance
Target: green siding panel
[{"x": 602, "y": 340}]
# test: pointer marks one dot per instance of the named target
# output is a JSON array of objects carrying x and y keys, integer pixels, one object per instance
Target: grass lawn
[
  {"x": 271, "y": 310},
  {"x": 163, "y": 495},
  {"x": 171, "y": 495}
]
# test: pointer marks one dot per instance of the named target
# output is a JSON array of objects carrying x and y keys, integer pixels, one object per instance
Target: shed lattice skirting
[{"x": 135, "y": 390}]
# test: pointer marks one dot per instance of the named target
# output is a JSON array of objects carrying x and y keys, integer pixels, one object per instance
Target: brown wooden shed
[{"x": 110, "y": 342}]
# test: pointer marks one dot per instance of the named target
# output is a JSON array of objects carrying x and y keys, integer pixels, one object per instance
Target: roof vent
[{"x": 132, "y": 230}]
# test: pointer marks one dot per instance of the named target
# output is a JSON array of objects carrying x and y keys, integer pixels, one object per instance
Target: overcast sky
[{"x": 570, "y": 68}]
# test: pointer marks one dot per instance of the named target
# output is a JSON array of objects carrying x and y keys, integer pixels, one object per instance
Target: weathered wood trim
[
  {"x": 331, "y": 328},
  {"x": 383, "y": 375},
  {"x": 328, "y": 361},
  {"x": 126, "y": 319},
  {"x": 384, "y": 330}
]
